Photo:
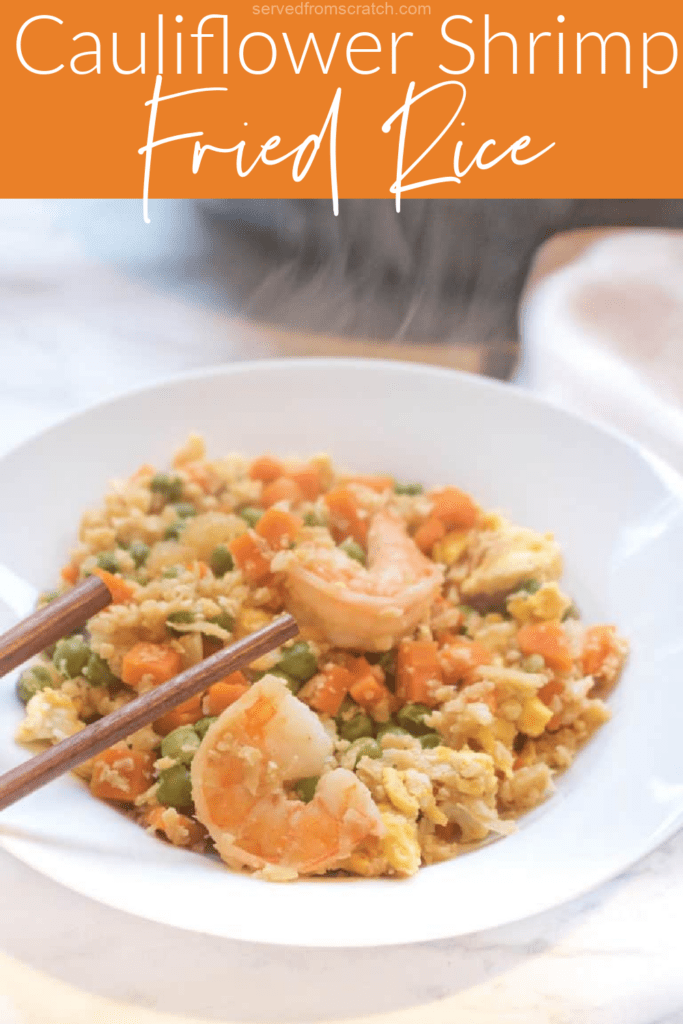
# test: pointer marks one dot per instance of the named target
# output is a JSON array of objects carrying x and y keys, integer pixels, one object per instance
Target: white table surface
[{"x": 91, "y": 302}]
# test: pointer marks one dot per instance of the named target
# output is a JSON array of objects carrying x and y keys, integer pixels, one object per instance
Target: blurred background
[{"x": 580, "y": 300}]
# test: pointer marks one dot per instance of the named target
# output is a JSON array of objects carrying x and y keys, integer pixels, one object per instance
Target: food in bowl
[{"x": 441, "y": 679}]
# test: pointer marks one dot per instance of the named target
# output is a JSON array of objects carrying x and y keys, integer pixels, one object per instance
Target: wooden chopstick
[
  {"x": 51, "y": 622},
  {"x": 36, "y": 772}
]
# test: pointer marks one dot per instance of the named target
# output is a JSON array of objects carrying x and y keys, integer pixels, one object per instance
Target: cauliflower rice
[{"x": 456, "y": 728}]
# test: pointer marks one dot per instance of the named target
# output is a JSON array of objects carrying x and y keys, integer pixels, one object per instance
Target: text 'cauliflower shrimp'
[
  {"x": 257, "y": 749},
  {"x": 366, "y": 608}
]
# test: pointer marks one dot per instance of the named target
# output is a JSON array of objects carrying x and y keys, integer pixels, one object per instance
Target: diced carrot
[
  {"x": 345, "y": 516},
  {"x": 444, "y": 637},
  {"x": 278, "y": 528},
  {"x": 375, "y": 483},
  {"x": 549, "y": 640},
  {"x": 160, "y": 661},
  {"x": 459, "y": 656},
  {"x": 417, "y": 671},
  {"x": 550, "y": 690},
  {"x": 235, "y": 679},
  {"x": 118, "y": 588},
  {"x": 598, "y": 644},
  {"x": 69, "y": 573},
  {"x": 454, "y": 509},
  {"x": 282, "y": 489},
  {"x": 332, "y": 687},
  {"x": 121, "y": 774},
  {"x": 307, "y": 477},
  {"x": 265, "y": 468},
  {"x": 196, "y": 833},
  {"x": 224, "y": 693},
  {"x": 359, "y": 667},
  {"x": 249, "y": 558},
  {"x": 187, "y": 713},
  {"x": 371, "y": 694},
  {"x": 427, "y": 535}
]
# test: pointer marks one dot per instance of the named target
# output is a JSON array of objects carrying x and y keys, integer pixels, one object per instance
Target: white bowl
[{"x": 618, "y": 515}]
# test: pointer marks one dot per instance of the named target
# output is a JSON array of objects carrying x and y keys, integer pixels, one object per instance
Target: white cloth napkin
[{"x": 604, "y": 336}]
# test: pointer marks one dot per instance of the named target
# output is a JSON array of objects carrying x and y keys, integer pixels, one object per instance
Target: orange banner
[{"x": 367, "y": 100}]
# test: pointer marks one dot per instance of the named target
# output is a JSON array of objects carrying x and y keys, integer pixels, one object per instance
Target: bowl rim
[{"x": 660, "y": 465}]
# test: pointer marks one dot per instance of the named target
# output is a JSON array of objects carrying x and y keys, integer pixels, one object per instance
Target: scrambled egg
[
  {"x": 508, "y": 558},
  {"x": 451, "y": 547},
  {"x": 546, "y": 604},
  {"x": 400, "y": 844},
  {"x": 397, "y": 793},
  {"x": 50, "y": 715},
  {"x": 534, "y": 718}
]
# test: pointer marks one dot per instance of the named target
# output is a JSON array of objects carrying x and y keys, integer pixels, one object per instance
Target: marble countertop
[{"x": 89, "y": 306}]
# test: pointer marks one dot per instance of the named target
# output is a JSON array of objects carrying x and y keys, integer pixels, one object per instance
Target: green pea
[
  {"x": 31, "y": 681},
  {"x": 298, "y": 661},
  {"x": 353, "y": 550},
  {"x": 221, "y": 561},
  {"x": 347, "y": 708},
  {"x": 430, "y": 740},
  {"x": 313, "y": 519},
  {"x": 169, "y": 487},
  {"x": 203, "y": 725},
  {"x": 71, "y": 656},
  {"x": 533, "y": 663},
  {"x": 139, "y": 552},
  {"x": 364, "y": 747},
  {"x": 174, "y": 531},
  {"x": 107, "y": 560},
  {"x": 305, "y": 788},
  {"x": 387, "y": 662},
  {"x": 355, "y": 728},
  {"x": 251, "y": 515},
  {"x": 181, "y": 744},
  {"x": 408, "y": 488},
  {"x": 412, "y": 717},
  {"x": 224, "y": 620},
  {"x": 391, "y": 728},
  {"x": 175, "y": 787},
  {"x": 293, "y": 684},
  {"x": 47, "y": 597},
  {"x": 184, "y": 510},
  {"x": 467, "y": 612},
  {"x": 97, "y": 671},
  {"x": 571, "y": 613},
  {"x": 171, "y": 572},
  {"x": 182, "y": 615},
  {"x": 530, "y": 586}
]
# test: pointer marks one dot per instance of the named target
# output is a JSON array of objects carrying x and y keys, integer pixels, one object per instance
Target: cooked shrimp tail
[
  {"x": 363, "y": 607},
  {"x": 243, "y": 778}
]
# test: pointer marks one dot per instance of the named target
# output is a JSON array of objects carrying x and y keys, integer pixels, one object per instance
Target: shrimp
[
  {"x": 343, "y": 602},
  {"x": 241, "y": 774}
]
